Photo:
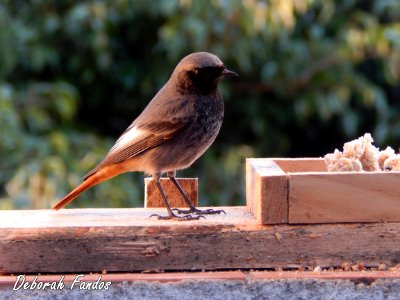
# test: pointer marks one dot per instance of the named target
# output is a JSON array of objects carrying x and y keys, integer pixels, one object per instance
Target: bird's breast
[
  {"x": 210, "y": 113},
  {"x": 181, "y": 151}
]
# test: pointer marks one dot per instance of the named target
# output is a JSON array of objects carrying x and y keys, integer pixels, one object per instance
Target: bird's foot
[
  {"x": 186, "y": 217},
  {"x": 197, "y": 211}
]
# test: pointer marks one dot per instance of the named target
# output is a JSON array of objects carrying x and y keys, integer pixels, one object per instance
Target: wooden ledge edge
[{"x": 7, "y": 281}]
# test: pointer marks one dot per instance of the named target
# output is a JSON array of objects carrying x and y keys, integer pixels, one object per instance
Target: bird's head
[{"x": 199, "y": 73}]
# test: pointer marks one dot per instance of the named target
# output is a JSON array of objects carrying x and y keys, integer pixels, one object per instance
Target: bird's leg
[
  {"x": 171, "y": 214},
  {"x": 192, "y": 208}
]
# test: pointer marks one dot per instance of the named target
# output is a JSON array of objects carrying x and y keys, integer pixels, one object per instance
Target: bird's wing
[{"x": 158, "y": 123}]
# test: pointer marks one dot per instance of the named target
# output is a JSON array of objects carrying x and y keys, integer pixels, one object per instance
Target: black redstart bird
[{"x": 176, "y": 128}]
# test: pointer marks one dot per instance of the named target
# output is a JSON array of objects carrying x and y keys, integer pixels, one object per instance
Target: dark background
[{"x": 74, "y": 75}]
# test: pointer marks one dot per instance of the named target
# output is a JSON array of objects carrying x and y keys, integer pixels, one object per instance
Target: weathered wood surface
[
  {"x": 123, "y": 240},
  {"x": 266, "y": 191},
  {"x": 153, "y": 198}
]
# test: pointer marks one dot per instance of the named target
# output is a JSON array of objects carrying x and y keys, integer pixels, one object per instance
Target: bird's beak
[{"x": 228, "y": 73}]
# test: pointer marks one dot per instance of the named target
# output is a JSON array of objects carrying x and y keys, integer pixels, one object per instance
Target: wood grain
[
  {"x": 344, "y": 197},
  {"x": 153, "y": 197},
  {"x": 293, "y": 165},
  {"x": 124, "y": 240},
  {"x": 266, "y": 191}
]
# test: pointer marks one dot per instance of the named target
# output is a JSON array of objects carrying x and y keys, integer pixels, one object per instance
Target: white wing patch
[{"x": 128, "y": 138}]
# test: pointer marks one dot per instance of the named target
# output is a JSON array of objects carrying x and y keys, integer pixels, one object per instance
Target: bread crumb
[
  {"x": 392, "y": 163},
  {"x": 346, "y": 266},
  {"x": 337, "y": 162},
  {"x": 361, "y": 155},
  {"x": 382, "y": 267},
  {"x": 384, "y": 155},
  {"x": 317, "y": 269}
]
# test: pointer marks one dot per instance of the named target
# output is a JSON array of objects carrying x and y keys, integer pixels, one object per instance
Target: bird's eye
[
  {"x": 193, "y": 72},
  {"x": 213, "y": 71},
  {"x": 205, "y": 73}
]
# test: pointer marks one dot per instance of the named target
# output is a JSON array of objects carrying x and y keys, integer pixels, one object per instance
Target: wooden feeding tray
[{"x": 302, "y": 191}]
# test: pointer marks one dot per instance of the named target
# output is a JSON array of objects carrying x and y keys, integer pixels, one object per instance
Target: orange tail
[{"x": 96, "y": 178}]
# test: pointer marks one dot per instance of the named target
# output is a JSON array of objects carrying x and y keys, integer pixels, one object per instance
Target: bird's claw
[
  {"x": 196, "y": 211},
  {"x": 211, "y": 211},
  {"x": 187, "y": 217},
  {"x": 182, "y": 211}
]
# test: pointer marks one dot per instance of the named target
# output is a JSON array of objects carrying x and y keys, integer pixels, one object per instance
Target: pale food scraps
[{"x": 361, "y": 155}]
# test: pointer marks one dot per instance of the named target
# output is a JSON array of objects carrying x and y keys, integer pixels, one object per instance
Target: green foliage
[{"x": 74, "y": 74}]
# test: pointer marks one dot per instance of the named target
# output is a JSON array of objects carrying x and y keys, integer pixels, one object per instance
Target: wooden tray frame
[{"x": 301, "y": 191}]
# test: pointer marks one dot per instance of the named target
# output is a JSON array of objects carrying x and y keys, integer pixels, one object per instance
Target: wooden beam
[
  {"x": 124, "y": 240},
  {"x": 152, "y": 196},
  {"x": 266, "y": 191}
]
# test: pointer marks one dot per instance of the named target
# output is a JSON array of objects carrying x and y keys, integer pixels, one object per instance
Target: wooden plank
[
  {"x": 366, "y": 276},
  {"x": 125, "y": 240},
  {"x": 301, "y": 164},
  {"x": 344, "y": 197},
  {"x": 266, "y": 191},
  {"x": 357, "y": 276},
  {"x": 153, "y": 197},
  {"x": 8, "y": 281}
]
